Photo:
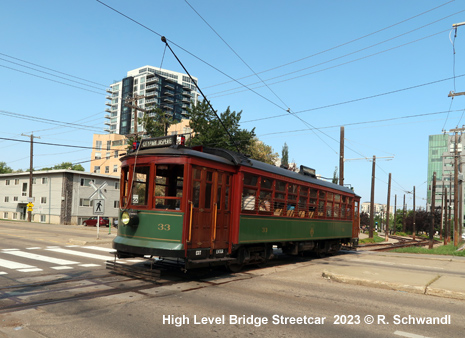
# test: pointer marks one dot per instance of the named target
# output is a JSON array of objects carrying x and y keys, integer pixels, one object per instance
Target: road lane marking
[{"x": 98, "y": 248}]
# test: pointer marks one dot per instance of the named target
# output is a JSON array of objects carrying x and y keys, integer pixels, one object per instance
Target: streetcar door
[{"x": 209, "y": 224}]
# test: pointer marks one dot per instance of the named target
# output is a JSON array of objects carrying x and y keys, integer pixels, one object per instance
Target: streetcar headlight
[{"x": 129, "y": 218}]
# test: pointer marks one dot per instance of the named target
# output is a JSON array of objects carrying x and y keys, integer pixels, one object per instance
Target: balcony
[
  {"x": 185, "y": 93},
  {"x": 150, "y": 94},
  {"x": 152, "y": 86},
  {"x": 185, "y": 100},
  {"x": 107, "y": 116},
  {"x": 169, "y": 86},
  {"x": 108, "y": 97},
  {"x": 109, "y": 91},
  {"x": 168, "y": 100},
  {"x": 151, "y": 79},
  {"x": 108, "y": 110},
  {"x": 108, "y": 103},
  {"x": 168, "y": 107},
  {"x": 168, "y": 93},
  {"x": 107, "y": 123}
]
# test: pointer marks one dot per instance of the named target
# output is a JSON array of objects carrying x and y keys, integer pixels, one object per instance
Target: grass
[
  {"x": 375, "y": 239},
  {"x": 448, "y": 249}
]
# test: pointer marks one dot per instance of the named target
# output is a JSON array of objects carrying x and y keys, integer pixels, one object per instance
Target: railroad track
[{"x": 403, "y": 243}]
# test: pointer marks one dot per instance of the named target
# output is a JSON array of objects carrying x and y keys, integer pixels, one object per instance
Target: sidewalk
[{"x": 434, "y": 275}]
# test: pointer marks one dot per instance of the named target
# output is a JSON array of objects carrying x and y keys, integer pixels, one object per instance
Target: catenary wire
[
  {"x": 331, "y": 67},
  {"x": 338, "y": 46}
]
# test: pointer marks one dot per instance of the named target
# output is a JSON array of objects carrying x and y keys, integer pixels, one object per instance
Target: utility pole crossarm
[{"x": 453, "y": 94}]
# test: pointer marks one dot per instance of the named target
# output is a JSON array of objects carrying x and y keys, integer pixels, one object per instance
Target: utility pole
[
  {"x": 403, "y": 216},
  {"x": 372, "y": 203},
  {"x": 442, "y": 214},
  {"x": 31, "y": 168},
  {"x": 386, "y": 232},
  {"x": 413, "y": 212},
  {"x": 395, "y": 216},
  {"x": 433, "y": 209},
  {"x": 134, "y": 100},
  {"x": 445, "y": 216},
  {"x": 341, "y": 158}
]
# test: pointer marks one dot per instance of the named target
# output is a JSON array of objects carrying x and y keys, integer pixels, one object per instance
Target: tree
[
  {"x": 4, "y": 169},
  {"x": 209, "y": 131},
  {"x": 262, "y": 152},
  {"x": 157, "y": 122},
  {"x": 66, "y": 165},
  {"x": 335, "y": 176},
  {"x": 285, "y": 156}
]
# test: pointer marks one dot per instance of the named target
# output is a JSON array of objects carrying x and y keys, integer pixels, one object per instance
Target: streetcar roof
[{"x": 232, "y": 158}]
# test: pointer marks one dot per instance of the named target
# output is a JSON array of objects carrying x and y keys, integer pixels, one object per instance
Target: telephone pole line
[
  {"x": 341, "y": 159},
  {"x": 31, "y": 168}
]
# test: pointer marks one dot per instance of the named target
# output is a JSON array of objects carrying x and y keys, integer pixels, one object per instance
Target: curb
[
  {"x": 426, "y": 290},
  {"x": 73, "y": 241}
]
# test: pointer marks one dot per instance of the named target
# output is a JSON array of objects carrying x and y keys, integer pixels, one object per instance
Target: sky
[{"x": 298, "y": 70}]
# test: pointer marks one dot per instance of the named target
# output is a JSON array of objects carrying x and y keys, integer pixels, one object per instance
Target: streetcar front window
[{"x": 140, "y": 188}]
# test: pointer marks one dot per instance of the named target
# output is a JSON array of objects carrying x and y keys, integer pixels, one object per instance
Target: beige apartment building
[{"x": 108, "y": 148}]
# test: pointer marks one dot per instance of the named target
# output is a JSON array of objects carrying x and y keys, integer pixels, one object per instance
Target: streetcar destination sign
[{"x": 165, "y": 141}]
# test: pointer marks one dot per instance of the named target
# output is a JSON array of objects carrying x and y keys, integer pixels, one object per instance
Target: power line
[
  {"x": 41, "y": 71},
  {"x": 356, "y": 100},
  {"x": 340, "y": 45},
  {"x": 324, "y": 69},
  {"x": 362, "y": 122},
  {"x": 193, "y": 55},
  {"x": 45, "y": 78},
  {"x": 53, "y": 70},
  {"x": 49, "y": 121}
]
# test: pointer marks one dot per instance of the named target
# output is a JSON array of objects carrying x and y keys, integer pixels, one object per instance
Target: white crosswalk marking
[
  {"x": 82, "y": 254},
  {"x": 42, "y": 258},
  {"x": 14, "y": 265},
  {"x": 60, "y": 263}
]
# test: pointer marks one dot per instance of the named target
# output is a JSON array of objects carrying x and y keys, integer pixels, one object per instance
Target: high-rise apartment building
[{"x": 171, "y": 91}]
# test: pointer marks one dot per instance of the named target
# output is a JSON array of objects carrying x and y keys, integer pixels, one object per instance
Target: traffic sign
[{"x": 99, "y": 206}]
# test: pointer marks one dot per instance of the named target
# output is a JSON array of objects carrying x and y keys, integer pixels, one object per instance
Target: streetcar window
[
  {"x": 169, "y": 181},
  {"x": 196, "y": 194},
  {"x": 266, "y": 183},
  {"x": 248, "y": 199},
  {"x": 280, "y": 186},
  {"x": 139, "y": 186},
  {"x": 250, "y": 180}
]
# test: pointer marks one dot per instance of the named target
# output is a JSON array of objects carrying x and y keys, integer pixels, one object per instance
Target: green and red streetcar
[{"x": 207, "y": 206}]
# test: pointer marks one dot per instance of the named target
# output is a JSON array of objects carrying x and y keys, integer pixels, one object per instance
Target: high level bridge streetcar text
[{"x": 210, "y": 206}]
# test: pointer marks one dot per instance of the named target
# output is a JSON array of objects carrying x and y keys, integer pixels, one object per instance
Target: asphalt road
[{"x": 291, "y": 300}]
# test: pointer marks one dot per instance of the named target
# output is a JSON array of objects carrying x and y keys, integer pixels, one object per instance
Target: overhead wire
[
  {"x": 45, "y": 78},
  {"x": 340, "y": 45},
  {"x": 53, "y": 70},
  {"x": 356, "y": 100},
  {"x": 345, "y": 55},
  {"x": 328, "y": 68},
  {"x": 193, "y": 55}
]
